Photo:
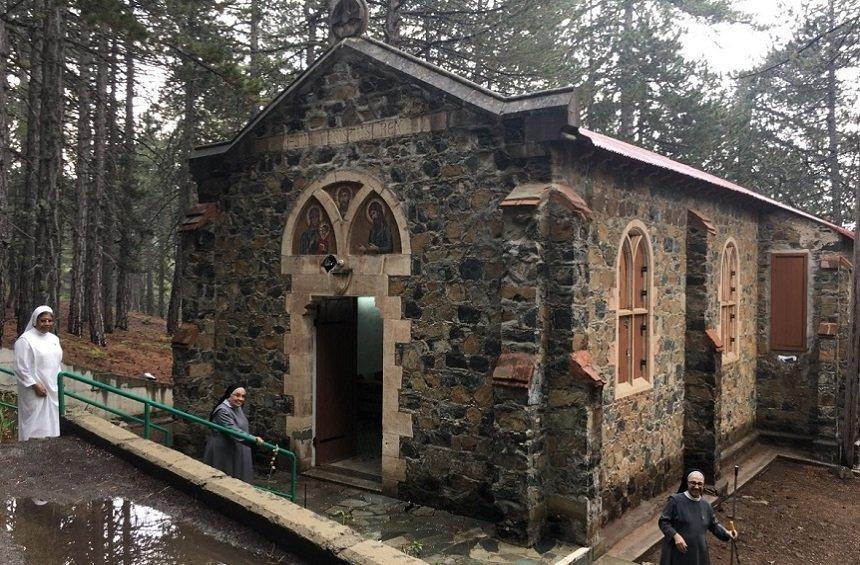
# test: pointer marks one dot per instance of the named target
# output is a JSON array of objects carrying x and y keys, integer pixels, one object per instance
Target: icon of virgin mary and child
[{"x": 317, "y": 237}]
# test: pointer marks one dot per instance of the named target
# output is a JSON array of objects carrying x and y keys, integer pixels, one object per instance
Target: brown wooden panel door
[
  {"x": 788, "y": 297},
  {"x": 335, "y": 380}
]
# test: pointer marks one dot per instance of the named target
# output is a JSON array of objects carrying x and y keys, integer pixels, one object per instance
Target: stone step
[
  {"x": 609, "y": 560},
  {"x": 581, "y": 556},
  {"x": 344, "y": 477}
]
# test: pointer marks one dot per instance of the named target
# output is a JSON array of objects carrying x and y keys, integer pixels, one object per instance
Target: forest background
[{"x": 94, "y": 181}]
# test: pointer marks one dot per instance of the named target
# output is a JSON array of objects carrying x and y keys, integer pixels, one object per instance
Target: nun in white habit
[{"x": 37, "y": 361}]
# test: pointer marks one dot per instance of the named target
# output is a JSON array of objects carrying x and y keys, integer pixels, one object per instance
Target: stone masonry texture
[{"x": 559, "y": 454}]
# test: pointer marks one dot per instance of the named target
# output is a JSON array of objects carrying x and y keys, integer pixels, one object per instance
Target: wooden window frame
[
  {"x": 634, "y": 309},
  {"x": 804, "y": 305},
  {"x": 729, "y": 293}
]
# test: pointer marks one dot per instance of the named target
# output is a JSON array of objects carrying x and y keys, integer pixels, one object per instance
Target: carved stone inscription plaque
[{"x": 380, "y": 129}]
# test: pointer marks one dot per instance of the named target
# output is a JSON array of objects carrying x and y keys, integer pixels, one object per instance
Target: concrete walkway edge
[{"x": 296, "y": 529}]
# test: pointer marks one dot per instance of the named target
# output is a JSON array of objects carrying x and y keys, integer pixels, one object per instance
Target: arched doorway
[{"x": 342, "y": 375}]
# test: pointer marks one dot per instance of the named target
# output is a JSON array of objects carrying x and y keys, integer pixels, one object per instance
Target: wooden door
[
  {"x": 335, "y": 380},
  {"x": 788, "y": 297}
]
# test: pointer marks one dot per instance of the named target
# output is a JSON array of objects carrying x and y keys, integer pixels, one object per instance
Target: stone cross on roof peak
[{"x": 347, "y": 18}]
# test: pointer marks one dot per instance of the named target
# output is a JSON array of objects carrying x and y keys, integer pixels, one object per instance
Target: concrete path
[{"x": 434, "y": 536}]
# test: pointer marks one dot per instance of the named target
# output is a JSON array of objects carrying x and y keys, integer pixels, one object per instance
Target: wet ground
[
  {"x": 791, "y": 514},
  {"x": 64, "y": 501},
  {"x": 434, "y": 536}
]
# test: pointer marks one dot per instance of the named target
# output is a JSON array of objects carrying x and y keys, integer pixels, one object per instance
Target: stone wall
[
  {"x": 720, "y": 394},
  {"x": 572, "y": 410},
  {"x": 564, "y": 450},
  {"x": 798, "y": 396},
  {"x": 641, "y": 436},
  {"x": 195, "y": 387},
  {"x": 450, "y": 182},
  {"x": 737, "y": 376},
  {"x": 703, "y": 366}
]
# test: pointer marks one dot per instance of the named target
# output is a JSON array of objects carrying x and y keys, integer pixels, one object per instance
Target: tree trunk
[
  {"x": 852, "y": 381},
  {"x": 174, "y": 308},
  {"x": 162, "y": 275},
  {"x": 94, "y": 232},
  {"x": 127, "y": 253},
  {"x": 4, "y": 167},
  {"x": 149, "y": 294},
  {"x": 625, "y": 129},
  {"x": 26, "y": 220},
  {"x": 254, "y": 39},
  {"x": 833, "y": 174},
  {"x": 312, "y": 10},
  {"x": 46, "y": 277},
  {"x": 174, "y": 311},
  {"x": 110, "y": 215},
  {"x": 82, "y": 172},
  {"x": 392, "y": 23}
]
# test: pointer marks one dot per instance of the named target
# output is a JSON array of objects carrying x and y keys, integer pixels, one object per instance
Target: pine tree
[
  {"x": 26, "y": 214},
  {"x": 4, "y": 168},
  {"x": 800, "y": 103},
  {"x": 82, "y": 189},
  {"x": 95, "y": 302}
]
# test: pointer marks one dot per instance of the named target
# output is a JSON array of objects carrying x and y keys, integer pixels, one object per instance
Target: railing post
[
  {"x": 61, "y": 394},
  {"x": 146, "y": 422},
  {"x": 293, "y": 479}
]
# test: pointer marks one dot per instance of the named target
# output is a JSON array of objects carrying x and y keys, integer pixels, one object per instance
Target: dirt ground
[
  {"x": 144, "y": 347},
  {"x": 791, "y": 514},
  {"x": 68, "y": 471}
]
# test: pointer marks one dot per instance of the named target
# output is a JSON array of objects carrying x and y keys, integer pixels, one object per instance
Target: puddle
[{"x": 108, "y": 532}]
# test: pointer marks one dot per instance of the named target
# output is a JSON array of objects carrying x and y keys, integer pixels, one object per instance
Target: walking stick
[{"x": 733, "y": 557}]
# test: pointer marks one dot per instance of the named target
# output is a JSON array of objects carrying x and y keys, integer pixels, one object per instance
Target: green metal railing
[
  {"x": 148, "y": 425},
  {"x": 6, "y": 404}
]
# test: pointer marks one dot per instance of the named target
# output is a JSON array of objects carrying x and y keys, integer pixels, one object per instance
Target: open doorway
[{"x": 348, "y": 388}]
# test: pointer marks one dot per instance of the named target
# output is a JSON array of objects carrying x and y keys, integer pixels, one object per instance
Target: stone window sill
[{"x": 629, "y": 389}]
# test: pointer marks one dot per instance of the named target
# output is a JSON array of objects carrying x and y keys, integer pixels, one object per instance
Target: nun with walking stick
[{"x": 684, "y": 522}]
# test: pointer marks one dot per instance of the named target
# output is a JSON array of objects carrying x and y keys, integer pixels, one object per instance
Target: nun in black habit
[
  {"x": 224, "y": 452},
  {"x": 685, "y": 521}
]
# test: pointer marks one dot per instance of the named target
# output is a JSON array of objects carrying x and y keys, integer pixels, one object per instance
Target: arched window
[
  {"x": 634, "y": 310},
  {"x": 729, "y": 298}
]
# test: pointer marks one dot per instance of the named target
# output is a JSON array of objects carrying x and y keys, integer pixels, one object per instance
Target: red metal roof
[{"x": 651, "y": 158}]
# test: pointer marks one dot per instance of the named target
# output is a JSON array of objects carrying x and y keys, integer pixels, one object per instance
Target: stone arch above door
[
  {"x": 362, "y": 275},
  {"x": 363, "y": 187}
]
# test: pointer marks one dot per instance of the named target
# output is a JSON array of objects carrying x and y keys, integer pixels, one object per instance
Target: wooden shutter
[
  {"x": 625, "y": 290},
  {"x": 625, "y": 348},
  {"x": 788, "y": 286},
  {"x": 640, "y": 273},
  {"x": 640, "y": 346}
]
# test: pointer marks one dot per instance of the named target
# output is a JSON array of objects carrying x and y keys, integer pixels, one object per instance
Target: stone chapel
[{"x": 473, "y": 302}]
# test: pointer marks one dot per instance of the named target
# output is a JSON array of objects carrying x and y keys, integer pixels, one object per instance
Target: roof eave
[{"x": 645, "y": 156}]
